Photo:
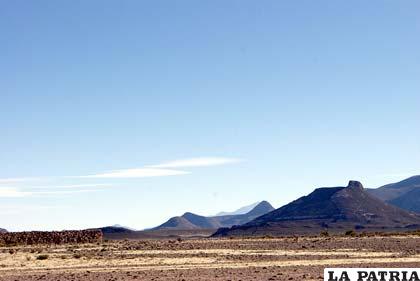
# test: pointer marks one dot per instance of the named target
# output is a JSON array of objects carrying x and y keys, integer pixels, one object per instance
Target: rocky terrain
[
  {"x": 404, "y": 194},
  {"x": 292, "y": 258},
  {"x": 329, "y": 209},
  {"x": 160, "y": 234},
  {"x": 193, "y": 221},
  {"x": 2, "y": 230},
  {"x": 50, "y": 238}
]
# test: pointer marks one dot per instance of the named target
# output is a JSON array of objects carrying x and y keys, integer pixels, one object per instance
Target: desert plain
[{"x": 288, "y": 258}]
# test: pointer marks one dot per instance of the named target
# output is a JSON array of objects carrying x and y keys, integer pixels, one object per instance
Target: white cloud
[
  {"x": 16, "y": 209},
  {"x": 10, "y": 192},
  {"x": 160, "y": 170},
  {"x": 138, "y": 173},
  {"x": 197, "y": 162},
  {"x": 166, "y": 168},
  {"x": 62, "y": 192},
  {"x": 17, "y": 180},
  {"x": 76, "y": 186}
]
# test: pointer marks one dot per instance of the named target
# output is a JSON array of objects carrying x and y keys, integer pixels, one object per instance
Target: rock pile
[{"x": 53, "y": 237}]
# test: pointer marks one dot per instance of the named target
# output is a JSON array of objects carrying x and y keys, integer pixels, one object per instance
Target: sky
[{"x": 130, "y": 112}]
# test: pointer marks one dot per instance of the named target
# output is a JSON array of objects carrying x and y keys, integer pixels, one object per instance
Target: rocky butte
[{"x": 334, "y": 209}]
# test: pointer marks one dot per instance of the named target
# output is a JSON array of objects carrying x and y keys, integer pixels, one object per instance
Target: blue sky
[{"x": 130, "y": 112}]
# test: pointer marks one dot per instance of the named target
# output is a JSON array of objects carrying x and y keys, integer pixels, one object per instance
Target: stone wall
[{"x": 52, "y": 237}]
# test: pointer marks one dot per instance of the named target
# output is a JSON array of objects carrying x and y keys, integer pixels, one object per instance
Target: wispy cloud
[
  {"x": 171, "y": 168},
  {"x": 198, "y": 162},
  {"x": 62, "y": 192},
  {"x": 167, "y": 168},
  {"x": 17, "y": 180},
  {"x": 138, "y": 173},
  {"x": 72, "y": 186},
  {"x": 11, "y": 192},
  {"x": 16, "y": 209}
]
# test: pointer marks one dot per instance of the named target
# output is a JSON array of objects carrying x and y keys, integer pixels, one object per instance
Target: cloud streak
[
  {"x": 138, "y": 173},
  {"x": 16, "y": 209},
  {"x": 11, "y": 192},
  {"x": 198, "y": 162},
  {"x": 170, "y": 168},
  {"x": 72, "y": 186},
  {"x": 17, "y": 180},
  {"x": 62, "y": 192},
  {"x": 165, "y": 169}
]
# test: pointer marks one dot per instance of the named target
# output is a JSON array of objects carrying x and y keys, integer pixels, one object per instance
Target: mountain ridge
[
  {"x": 193, "y": 221},
  {"x": 328, "y": 208},
  {"x": 240, "y": 211},
  {"x": 404, "y": 194}
]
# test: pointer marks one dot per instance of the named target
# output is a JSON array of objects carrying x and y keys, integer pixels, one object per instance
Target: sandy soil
[{"x": 206, "y": 259}]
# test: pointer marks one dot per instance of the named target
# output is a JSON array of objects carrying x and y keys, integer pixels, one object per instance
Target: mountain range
[
  {"x": 240, "y": 211},
  {"x": 190, "y": 221},
  {"x": 404, "y": 194},
  {"x": 332, "y": 209},
  {"x": 393, "y": 206}
]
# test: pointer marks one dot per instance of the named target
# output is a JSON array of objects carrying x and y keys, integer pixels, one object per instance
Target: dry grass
[{"x": 209, "y": 254}]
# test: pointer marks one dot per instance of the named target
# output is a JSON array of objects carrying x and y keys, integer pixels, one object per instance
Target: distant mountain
[
  {"x": 409, "y": 201},
  {"x": 119, "y": 225},
  {"x": 404, "y": 194},
  {"x": 178, "y": 223},
  {"x": 335, "y": 209},
  {"x": 115, "y": 229},
  {"x": 240, "y": 211},
  {"x": 193, "y": 221},
  {"x": 202, "y": 221},
  {"x": 2, "y": 230}
]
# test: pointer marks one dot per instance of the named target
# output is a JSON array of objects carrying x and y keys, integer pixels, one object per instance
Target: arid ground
[{"x": 300, "y": 258}]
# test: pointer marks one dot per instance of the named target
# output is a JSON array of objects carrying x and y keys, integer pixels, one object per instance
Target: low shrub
[
  {"x": 351, "y": 233},
  {"x": 324, "y": 233},
  {"x": 42, "y": 257}
]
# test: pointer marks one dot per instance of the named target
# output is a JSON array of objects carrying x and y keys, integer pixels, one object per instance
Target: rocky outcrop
[
  {"x": 332, "y": 209},
  {"x": 53, "y": 237}
]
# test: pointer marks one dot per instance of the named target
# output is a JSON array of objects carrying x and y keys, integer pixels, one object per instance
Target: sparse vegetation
[
  {"x": 196, "y": 253},
  {"x": 325, "y": 233},
  {"x": 42, "y": 257},
  {"x": 351, "y": 233}
]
